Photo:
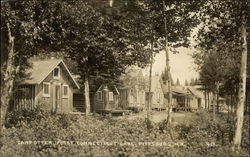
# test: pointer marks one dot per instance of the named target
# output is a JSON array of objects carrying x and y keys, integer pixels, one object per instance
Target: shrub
[
  {"x": 25, "y": 116},
  {"x": 64, "y": 127},
  {"x": 135, "y": 109}
]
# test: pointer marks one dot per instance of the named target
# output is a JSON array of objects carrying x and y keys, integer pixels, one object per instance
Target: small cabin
[
  {"x": 181, "y": 99},
  {"x": 158, "y": 93},
  {"x": 49, "y": 83},
  {"x": 131, "y": 97},
  {"x": 198, "y": 100},
  {"x": 106, "y": 98}
]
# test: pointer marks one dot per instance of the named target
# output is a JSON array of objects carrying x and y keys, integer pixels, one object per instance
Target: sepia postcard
[{"x": 124, "y": 78}]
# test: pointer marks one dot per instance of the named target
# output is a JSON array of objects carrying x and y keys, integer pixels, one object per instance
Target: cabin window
[
  {"x": 111, "y": 96},
  {"x": 46, "y": 89},
  {"x": 99, "y": 96},
  {"x": 65, "y": 91},
  {"x": 56, "y": 73}
]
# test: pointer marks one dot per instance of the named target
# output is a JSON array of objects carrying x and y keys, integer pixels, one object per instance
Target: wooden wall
[
  {"x": 109, "y": 105},
  {"x": 158, "y": 97},
  {"x": 66, "y": 104},
  {"x": 183, "y": 102},
  {"x": 79, "y": 102},
  {"x": 33, "y": 94},
  {"x": 23, "y": 97},
  {"x": 131, "y": 99}
]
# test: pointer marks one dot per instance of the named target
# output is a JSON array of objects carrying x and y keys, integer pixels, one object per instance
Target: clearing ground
[{"x": 158, "y": 116}]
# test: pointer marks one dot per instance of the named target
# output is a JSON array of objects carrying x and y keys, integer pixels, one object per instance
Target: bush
[
  {"x": 25, "y": 116},
  {"x": 135, "y": 109},
  {"x": 197, "y": 135},
  {"x": 206, "y": 137}
]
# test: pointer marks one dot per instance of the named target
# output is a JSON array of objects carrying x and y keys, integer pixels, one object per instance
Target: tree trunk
[
  {"x": 228, "y": 107},
  {"x": 241, "y": 93},
  {"x": 8, "y": 80},
  {"x": 149, "y": 98},
  {"x": 169, "y": 119},
  {"x": 231, "y": 103},
  {"x": 111, "y": 3},
  {"x": 208, "y": 101},
  {"x": 217, "y": 103},
  {"x": 246, "y": 104},
  {"x": 235, "y": 104},
  {"x": 217, "y": 96},
  {"x": 205, "y": 94},
  {"x": 86, "y": 95},
  {"x": 214, "y": 103}
]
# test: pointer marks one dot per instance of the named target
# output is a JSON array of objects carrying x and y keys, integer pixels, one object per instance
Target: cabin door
[{"x": 56, "y": 98}]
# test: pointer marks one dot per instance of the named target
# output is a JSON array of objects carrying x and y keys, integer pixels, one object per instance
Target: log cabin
[{"x": 50, "y": 84}]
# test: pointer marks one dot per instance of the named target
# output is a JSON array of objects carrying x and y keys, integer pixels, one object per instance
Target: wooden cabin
[
  {"x": 132, "y": 92},
  {"x": 79, "y": 101},
  {"x": 158, "y": 94},
  {"x": 198, "y": 100},
  {"x": 181, "y": 99},
  {"x": 106, "y": 98},
  {"x": 132, "y": 97},
  {"x": 50, "y": 84}
]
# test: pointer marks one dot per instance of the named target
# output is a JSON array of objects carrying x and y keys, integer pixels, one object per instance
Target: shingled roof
[
  {"x": 110, "y": 87},
  {"x": 40, "y": 69},
  {"x": 179, "y": 91},
  {"x": 195, "y": 92}
]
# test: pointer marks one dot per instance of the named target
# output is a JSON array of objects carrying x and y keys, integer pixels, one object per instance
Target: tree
[
  {"x": 172, "y": 15},
  {"x": 22, "y": 32},
  {"x": 192, "y": 81},
  {"x": 177, "y": 82},
  {"x": 102, "y": 43},
  {"x": 165, "y": 25},
  {"x": 241, "y": 92},
  {"x": 31, "y": 27},
  {"x": 224, "y": 33},
  {"x": 186, "y": 82}
]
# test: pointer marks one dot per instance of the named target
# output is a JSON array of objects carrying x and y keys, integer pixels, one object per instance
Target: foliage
[
  {"x": 222, "y": 56},
  {"x": 133, "y": 77},
  {"x": 194, "y": 139},
  {"x": 135, "y": 109},
  {"x": 30, "y": 30},
  {"x": 177, "y": 82},
  {"x": 25, "y": 116},
  {"x": 219, "y": 44}
]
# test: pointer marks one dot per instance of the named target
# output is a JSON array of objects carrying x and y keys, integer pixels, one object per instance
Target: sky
[{"x": 181, "y": 65}]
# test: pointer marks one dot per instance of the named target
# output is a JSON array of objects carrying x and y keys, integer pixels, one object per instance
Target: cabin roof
[
  {"x": 195, "y": 92},
  {"x": 155, "y": 80},
  {"x": 42, "y": 68},
  {"x": 179, "y": 91},
  {"x": 110, "y": 87}
]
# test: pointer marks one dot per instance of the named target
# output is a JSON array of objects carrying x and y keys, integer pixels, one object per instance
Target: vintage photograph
[{"x": 124, "y": 78}]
